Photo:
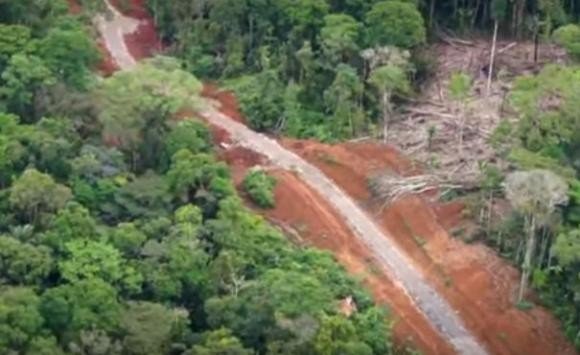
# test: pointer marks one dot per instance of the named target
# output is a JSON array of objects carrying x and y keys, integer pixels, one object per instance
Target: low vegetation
[{"x": 260, "y": 187}]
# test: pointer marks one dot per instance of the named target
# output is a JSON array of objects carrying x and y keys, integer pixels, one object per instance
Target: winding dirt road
[{"x": 395, "y": 263}]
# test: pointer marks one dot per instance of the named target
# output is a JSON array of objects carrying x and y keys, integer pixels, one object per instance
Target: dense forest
[
  {"x": 338, "y": 69},
  {"x": 121, "y": 232}
]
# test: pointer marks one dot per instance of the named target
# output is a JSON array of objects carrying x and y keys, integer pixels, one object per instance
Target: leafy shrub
[
  {"x": 260, "y": 187},
  {"x": 569, "y": 37}
]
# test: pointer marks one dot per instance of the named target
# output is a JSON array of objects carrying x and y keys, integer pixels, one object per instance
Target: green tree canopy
[
  {"x": 395, "y": 23},
  {"x": 34, "y": 194},
  {"x": 22, "y": 263}
]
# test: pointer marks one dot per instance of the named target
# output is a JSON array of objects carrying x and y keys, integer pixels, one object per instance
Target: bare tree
[
  {"x": 459, "y": 89},
  {"x": 498, "y": 10},
  {"x": 536, "y": 195}
]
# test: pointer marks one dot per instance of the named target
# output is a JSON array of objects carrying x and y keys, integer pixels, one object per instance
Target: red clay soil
[
  {"x": 132, "y": 8},
  {"x": 303, "y": 214},
  {"x": 107, "y": 65},
  {"x": 477, "y": 283},
  {"x": 228, "y": 104},
  {"x": 139, "y": 42},
  {"x": 144, "y": 42}
]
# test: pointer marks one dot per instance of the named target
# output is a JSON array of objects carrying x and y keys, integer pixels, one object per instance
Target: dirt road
[{"x": 395, "y": 263}]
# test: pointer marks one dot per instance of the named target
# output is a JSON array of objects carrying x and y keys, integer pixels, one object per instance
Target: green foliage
[
  {"x": 14, "y": 39},
  {"x": 459, "y": 86},
  {"x": 567, "y": 247},
  {"x": 138, "y": 103},
  {"x": 39, "y": 15},
  {"x": 217, "y": 342},
  {"x": 499, "y": 9},
  {"x": 70, "y": 54},
  {"x": 151, "y": 327},
  {"x": 24, "y": 78},
  {"x": 35, "y": 194},
  {"x": 526, "y": 160},
  {"x": 126, "y": 227},
  {"x": 338, "y": 336},
  {"x": 261, "y": 98},
  {"x": 390, "y": 79},
  {"x": 127, "y": 238},
  {"x": 146, "y": 196},
  {"x": 340, "y": 37},
  {"x": 86, "y": 260},
  {"x": 297, "y": 67},
  {"x": 546, "y": 104},
  {"x": 395, "y": 23},
  {"x": 568, "y": 36},
  {"x": 260, "y": 188},
  {"x": 83, "y": 305},
  {"x": 190, "y": 135},
  {"x": 21, "y": 324},
  {"x": 198, "y": 177},
  {"x": 70, "y": 223},
  {"x": 22, "y": 263}
]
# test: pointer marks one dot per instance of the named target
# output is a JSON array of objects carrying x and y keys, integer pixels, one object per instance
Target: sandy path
[{"x": 395, "y": 263}]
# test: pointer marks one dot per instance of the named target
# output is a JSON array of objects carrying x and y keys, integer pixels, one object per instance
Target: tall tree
[
  {"x": 340, "y": 37},
  {"x": 536, "y": 194},
  {"x": 498, "y": 11},
  {"x": 395, "y": 23},
  {"x": 389, "y": 80}
]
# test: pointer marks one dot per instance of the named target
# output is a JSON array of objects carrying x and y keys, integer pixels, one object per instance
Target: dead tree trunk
[
  {"x": 462, "y": 120},
  {"x": 491, "y": 58},
  {"x": 527, "y": 264},
  {"x": 386, "y": 115}
]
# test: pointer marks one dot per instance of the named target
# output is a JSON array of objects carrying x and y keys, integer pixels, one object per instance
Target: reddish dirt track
[
  {"x": 473, "y": 279},
  {"x": 478, "y": 283},
  {"x": 144, "y": 42},
  {"x": 107, "y": 66},
  {"x": 301, "y": 211}
]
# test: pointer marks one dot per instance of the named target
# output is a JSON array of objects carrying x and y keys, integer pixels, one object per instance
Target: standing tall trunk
[
  {"x": 386, "y": 114},
  {"x": 462, "y": 118},
  {"x": 431, "y": 12},
  {"x": 527, "y": 265},
  {"x": 491, "y": 58},
  {"x": 521, "y": 7}
]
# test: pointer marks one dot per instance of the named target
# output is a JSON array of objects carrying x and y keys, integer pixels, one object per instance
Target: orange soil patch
[
  {"x": 302, "y": 211},
  {"x": 132, "y": 8},
  {"x": 144, "y": 42},
  {"x": 477, "y": 283},
  {"x": 227, "y": 101}
]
